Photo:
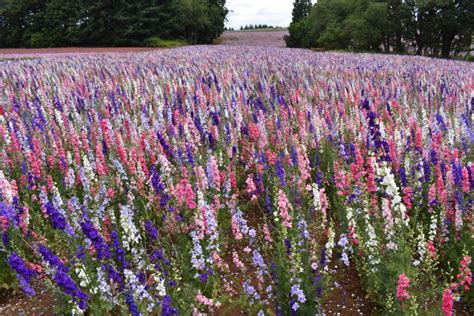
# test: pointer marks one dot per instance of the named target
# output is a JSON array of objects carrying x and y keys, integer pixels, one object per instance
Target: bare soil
[
  {"x": 18, "y": 303},
  {"x": 346, "y": 296}
]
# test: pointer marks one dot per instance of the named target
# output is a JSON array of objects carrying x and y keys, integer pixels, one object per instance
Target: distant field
[
  {"x": 254, "y": 38},
  {"x": 263, "y": 37},
  {"x": 61, "y": 51},
  {"x": 260, "y": 30}
]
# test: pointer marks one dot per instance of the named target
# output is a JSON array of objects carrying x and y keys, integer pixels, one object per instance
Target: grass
[{"x": 162, "y": 43}]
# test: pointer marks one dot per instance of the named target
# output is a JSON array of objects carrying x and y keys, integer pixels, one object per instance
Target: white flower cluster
[
  {"x": 458, "y": 221},
  {"x": 81, "y": 274},
  {"x": 433, "y": 226},
  {"x": 70, "y": 178},
  {"x": 120, "y": 169},
  {"x": 139, "y": 289},
  {"x": 388, "y": 226},
  {"x": 391, "y": 189},
  {"x": 421, "y": 248},
  {"x": 330, "y": 244},
  {"x": 7, "y": 138},
  {"x": 318, "y": 195},
  {"x": 160, "y": 284},
  {"x": 372, "y": 244},
  {"x": 351, "y": 221},
  {"x": 75, "y": 310},
  {"x": 103, "y": 287},
  {"x": 166, "y": 169},
  {"x": 5, "y": 188},
  {"x": 131, "y": 235},
  {"x": 316, "y": 198},
  {"x": 197, "y": 258},
  {"x": 58, "y": 117},
  {"x": 88, "y": 172}
]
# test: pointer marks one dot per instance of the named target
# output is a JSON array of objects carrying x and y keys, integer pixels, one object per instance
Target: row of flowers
[{"x": 203, "y": 178}]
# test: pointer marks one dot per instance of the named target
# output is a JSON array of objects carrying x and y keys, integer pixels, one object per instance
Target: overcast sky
[{"x": 271, "y": 12}]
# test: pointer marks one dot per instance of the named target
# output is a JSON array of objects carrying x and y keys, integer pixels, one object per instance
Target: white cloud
[{"x": 271, "y": 12}]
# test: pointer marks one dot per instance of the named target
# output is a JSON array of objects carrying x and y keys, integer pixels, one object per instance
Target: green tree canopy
[
  {"x": 301, "y": 9},
  {"x": 429, "y": 27},
  {"x": 48, "y": 23}
]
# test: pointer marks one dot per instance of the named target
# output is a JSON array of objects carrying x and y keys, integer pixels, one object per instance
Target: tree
[
  {"x": 426, "y": 27},
  {"x": 301, "y": 9},
  {"x": 375, "y": 17},
  {"x": 108, "y": 22},
  {"x": 327, "y": 23},
  {"x": 454, "y": 20}
]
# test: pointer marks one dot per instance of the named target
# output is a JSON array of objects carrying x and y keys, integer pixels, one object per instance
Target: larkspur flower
[
  {"x": 447, "y": 304},
  {"x": 103, "y": 251},
  {"x": 24, "y": 273},
  {"x": 70, "y": 287},
  {"x": 112, "y": 165},
  {"x": 402, "y": 286}
]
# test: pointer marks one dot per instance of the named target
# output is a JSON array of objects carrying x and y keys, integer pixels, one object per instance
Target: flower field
[
  {"x": 254, "y": 38},
  {"x": 205, "y": 180}
]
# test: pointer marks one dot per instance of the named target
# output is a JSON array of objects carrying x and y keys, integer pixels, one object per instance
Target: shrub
[{"x": 162, "y": 43}]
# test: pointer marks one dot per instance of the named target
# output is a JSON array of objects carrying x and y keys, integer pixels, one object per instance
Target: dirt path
[
  {"x": 346, "y": 296},
  {"x": 20, "y": 304}
]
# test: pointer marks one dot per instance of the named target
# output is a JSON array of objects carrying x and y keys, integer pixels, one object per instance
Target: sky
[{"x": 271, "y": 12}]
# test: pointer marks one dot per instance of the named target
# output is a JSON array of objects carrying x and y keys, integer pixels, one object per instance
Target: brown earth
[
  {"x": 18, "y": 303},
  {"x": 346, "y": 296}
]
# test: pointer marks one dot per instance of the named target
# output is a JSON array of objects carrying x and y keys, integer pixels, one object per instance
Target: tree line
[
  {"x": 52, "y": 23},
  {"x": 258, "y": 27},
  {"x": 424, "y": 27}
]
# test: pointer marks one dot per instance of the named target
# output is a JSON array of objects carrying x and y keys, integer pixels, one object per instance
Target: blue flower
[
  {"x": 70, "y": 287},
  {"x": 6, "y": 211},
  {"x": 280, "y": 172},
  {"x": 23, "y": 273},
  {"x": 119, "y": 252},
  {"x": 50, "y": 258},
  {"x": 151, "y": 230},
  {"x": 5, "y": 239},
  {"x": 113, "y": 275},
  {"x": 167, "y": 310},
  {"x": 132, "y": 306},
  {"x": 57, "y": 219},
  {"x": 203, "y": 277},
  {"x": 89, "y": 230}
]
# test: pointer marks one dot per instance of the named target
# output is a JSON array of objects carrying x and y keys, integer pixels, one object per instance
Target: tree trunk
[
  {"x": 398, "y": 43},
  {"x": 447, "y": 40},
  {"x": 419, "y": 49},
  {"x": 445, "y": 51},
  {"x": 419, "y": 45}
]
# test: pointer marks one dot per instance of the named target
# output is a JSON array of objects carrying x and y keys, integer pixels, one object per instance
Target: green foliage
[
  {"x": 434, "y": 27},
  {"x": 301, "y": 9},
  {"x": 161, "y": 43},
  {"x": 300, "y": 35},
  {"x": 8, "y": 279},
  {"x": 52, "y": 23},
  {"x": 470, "y": 58}
]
